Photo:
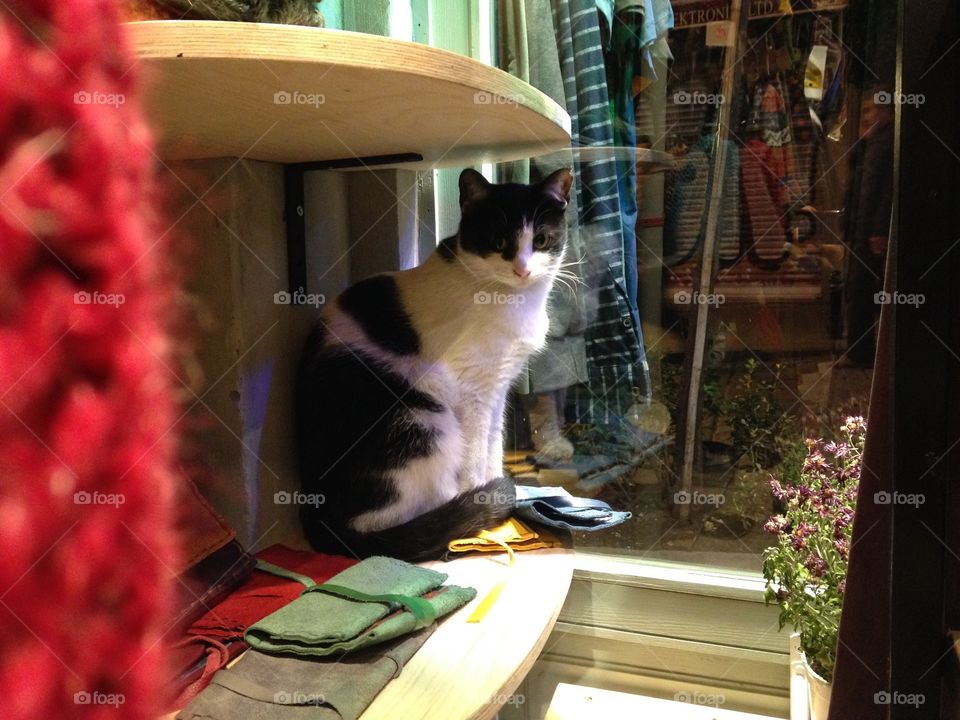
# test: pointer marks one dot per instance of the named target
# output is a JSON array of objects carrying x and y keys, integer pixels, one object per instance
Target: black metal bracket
[{"x": 295, "y": 213}]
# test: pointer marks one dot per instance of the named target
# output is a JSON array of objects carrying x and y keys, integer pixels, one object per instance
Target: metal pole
[{"x": 703, "y": 286}]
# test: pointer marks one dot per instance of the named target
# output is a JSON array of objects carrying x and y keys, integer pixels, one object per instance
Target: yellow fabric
[
  {"x": 513, "y": 533},
  {"x": 510, "y": 536}
]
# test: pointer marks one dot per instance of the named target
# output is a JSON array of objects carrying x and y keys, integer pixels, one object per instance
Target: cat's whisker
[
  {"x": 564, "y": 284},
  {"x": 578, "y": 261},
  {"x": 572, "y": 277}
]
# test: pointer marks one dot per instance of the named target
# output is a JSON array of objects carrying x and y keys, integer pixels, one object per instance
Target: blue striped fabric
[{"x": 614, "y": 345}]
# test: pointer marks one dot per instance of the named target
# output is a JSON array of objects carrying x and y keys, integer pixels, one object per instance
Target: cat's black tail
[{"x": 425, "y": 537}]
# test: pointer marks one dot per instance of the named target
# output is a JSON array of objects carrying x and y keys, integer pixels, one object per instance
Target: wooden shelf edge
[{"x": 515, "y": 119}]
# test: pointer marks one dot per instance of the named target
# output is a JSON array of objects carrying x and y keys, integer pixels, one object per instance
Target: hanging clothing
[
  {"x": 594, "y": 332},
  {"x": 766, "y": 162},
  {"x": 613, "y": 343},
  {"x": 527, "y": 48},
  {"x": 633, "y": 32},
  {"x": 686, "y": 203}
]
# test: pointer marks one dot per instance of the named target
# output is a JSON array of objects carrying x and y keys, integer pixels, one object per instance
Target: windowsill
[
  {"x": 657, "y": 628},
  {"x": 622, "y": 569},
  {"x": 578, "y": 701}
]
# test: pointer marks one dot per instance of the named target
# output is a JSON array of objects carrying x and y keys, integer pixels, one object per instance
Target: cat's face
[{"x": 513, "y": 234}]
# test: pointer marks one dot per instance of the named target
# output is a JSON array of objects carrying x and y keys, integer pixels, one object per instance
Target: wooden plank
[{"x": 288, "y": 94}]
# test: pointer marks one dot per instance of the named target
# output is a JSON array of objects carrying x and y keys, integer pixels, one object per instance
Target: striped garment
[{"x": 614, "y": 346}]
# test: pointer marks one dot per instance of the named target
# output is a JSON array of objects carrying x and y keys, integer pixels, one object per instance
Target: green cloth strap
[
  {"x": 272, "y": 569},
  {"x": 422, "y": 610}
]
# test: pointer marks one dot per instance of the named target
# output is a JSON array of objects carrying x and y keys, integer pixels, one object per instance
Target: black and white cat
[{"x": 402, "y": 385}]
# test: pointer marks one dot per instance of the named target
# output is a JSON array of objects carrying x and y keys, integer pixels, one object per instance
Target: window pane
[{"x": 766, "y": 156}]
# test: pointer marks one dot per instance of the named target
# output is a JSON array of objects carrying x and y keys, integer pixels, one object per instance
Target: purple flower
[
  {"x": 843, "y": 519},
  {"x": 776, "y": 525},
  {"x": 816, "y": 565},
  {"x": 815, "y": 461},
  {"x": 818, "y": 518},
  {"x": 800, "y": 534},
  {"x": 777, "y": 489},
  {"x": 842, "y": 546},
  {"x": 853, "y": 424}
]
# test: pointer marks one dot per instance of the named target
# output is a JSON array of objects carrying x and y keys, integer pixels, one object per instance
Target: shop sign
[{"x": 693, "y": 13}]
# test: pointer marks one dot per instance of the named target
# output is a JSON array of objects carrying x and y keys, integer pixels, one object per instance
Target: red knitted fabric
[{"x": 86, "y": 404}]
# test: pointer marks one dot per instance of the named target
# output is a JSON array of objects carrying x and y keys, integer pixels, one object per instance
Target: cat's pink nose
[{"x": 522, "y": 274}]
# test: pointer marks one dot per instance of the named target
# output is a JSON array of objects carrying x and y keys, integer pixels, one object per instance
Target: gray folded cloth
[
  {"x": 555, "y": 507},
  {"x": 271, "y": 687}
]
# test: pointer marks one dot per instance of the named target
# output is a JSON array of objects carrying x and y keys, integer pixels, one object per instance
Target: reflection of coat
[
  {"x": 766, "y": 163},
  {"x": 686, "y": 205},
  {"x": 764, "y": 228}
]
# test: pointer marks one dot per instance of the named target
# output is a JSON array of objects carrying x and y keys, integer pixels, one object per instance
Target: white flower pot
[
  {"x": 818, "y": 693},
  {"x": 809, "y": 693}
]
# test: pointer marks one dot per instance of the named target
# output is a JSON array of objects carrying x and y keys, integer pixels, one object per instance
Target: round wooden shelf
[
  {"x": 468, "y": 671},
  {"x": 293, "y": 94}
]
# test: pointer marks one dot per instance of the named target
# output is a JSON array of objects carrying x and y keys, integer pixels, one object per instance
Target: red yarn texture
[{"x": 86, "y": 402}]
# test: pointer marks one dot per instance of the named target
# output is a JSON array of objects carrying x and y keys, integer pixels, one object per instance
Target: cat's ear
[
  {"x": 473, "y": 186},
  {"x": 557, "y": 185}
]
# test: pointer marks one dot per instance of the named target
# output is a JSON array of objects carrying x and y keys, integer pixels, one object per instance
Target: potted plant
[{"x": 806, "y": 570}]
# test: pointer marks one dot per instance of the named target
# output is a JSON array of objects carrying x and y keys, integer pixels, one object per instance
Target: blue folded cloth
[{"x": 556, "y": 507}]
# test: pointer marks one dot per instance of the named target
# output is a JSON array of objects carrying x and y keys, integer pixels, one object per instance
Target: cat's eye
[
  {"x": 540, "y": 242},
  {"x": 500, "y": 244}
]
